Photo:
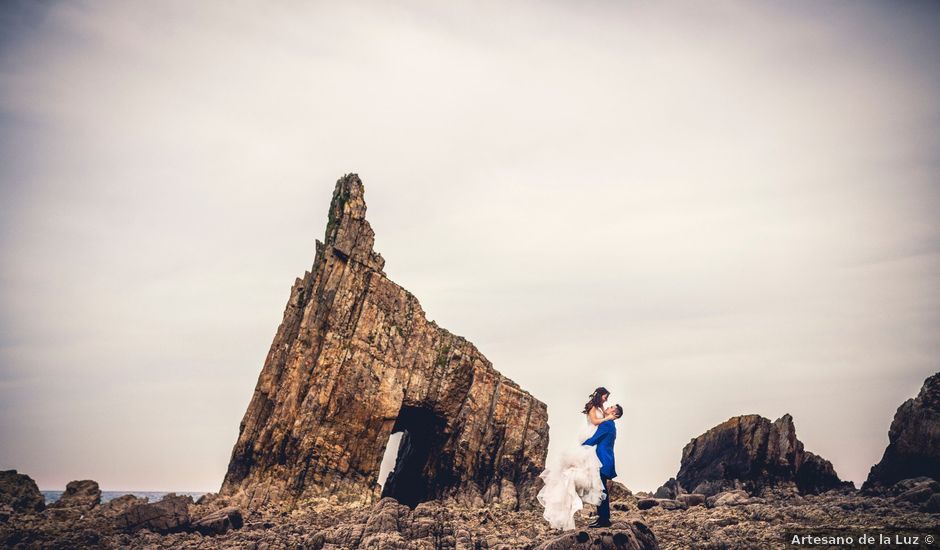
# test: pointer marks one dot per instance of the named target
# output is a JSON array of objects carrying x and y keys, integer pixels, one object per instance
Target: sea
[{"x": 153, "y": 496}]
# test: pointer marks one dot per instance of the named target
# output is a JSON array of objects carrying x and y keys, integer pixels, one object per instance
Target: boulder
[
  {"x": 672, "y": 504},
  {"x": 913, "y": 441},
  {"x": 633, "y": 535},
  {"x": 20, "y": 492},
  {"x": 932, "y": 506},
  {"x": 83, "y": 494},
  {"x": 692, "y": 499},
  {"x": 752, "y": 453},
  {"x": 119, "y": 505},
  {"x": 729, "y": 498},
  {"x": 915, "y": 491},
  {"x": 351, "y": 335},
  {"x": 618, "y": 491},
  {"x": 220, "y": 521},
  {"x": 169, "y": 515},
  {"x": 670, "y": 489}
]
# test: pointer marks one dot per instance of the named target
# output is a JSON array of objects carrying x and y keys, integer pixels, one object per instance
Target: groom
[{"x": 603, "y": 440}]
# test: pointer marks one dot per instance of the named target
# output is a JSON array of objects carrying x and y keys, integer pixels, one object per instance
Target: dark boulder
[
  {"x": 20, "y": 492},
  {"x": 166, "y": 516},
  {"x": 932, "y": 506},
  {"x": 752, "y": 453},
  {"x": 618, "y": 491},
  {"x": 220, "y": 521},
  {"x": 672, "y": 504},
  {"x": 913, "y": 441},
  {"x": 693, "y": 499},
  {"x": 79, "y": 494},
  {"x": 816, "y": 475},
  {"x": 633, "y": 535},
  {"x": 670, "y": 489}
]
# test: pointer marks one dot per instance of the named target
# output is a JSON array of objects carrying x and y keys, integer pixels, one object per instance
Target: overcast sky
[{"x": 711, "y": 209}]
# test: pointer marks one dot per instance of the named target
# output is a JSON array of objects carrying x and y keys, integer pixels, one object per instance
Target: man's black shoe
[{"x": 598, "y": 523}]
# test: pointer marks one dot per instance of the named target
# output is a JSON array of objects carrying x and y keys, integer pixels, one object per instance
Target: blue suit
[{"x": 603, "y": 441}]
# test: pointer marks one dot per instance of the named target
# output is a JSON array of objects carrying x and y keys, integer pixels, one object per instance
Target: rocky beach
[{"x": 474, "y": 444}]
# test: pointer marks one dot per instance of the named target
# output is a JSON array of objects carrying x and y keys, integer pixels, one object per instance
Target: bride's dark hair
[{"x": 597, "y": 399}]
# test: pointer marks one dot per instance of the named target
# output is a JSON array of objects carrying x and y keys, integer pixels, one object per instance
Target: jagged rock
[
  {"x": 634, "y": 535},
  {"x": 913, "y": 441},
  {"x": 692, "y": 499},
  {"x": 915, "y": 491},
  {"x": 752, "y": 452},
  {"x": 220, "y": 521},
  {"x": 79, "y": 494},
  {"x": 670, "y": 489},
  {"x": 207, "y": 498},
  {"x": 119, "y": 505},
  {"x": 816, "y": 475},
  {"x": 757, "y": 523},
  {"x": 20, "y": 492},
  {"x": 171, "y": 514},
  {"x": 671, "y": 504},
  {"x": 729, "y": 498},
  {"x": 355, "y": 360},
  {"x": 618, "y": 491},
  {"x": 932, "y": 505}
]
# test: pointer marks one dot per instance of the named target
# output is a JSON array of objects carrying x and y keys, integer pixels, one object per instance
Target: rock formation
[
  {"x": 354, "y": 361},
  {"x": 634, "y": 535},
  {"x": 169, "y": 515},
  {"x": 732, "y": 520},
  {"x": 79, "y": 494},
  {"x": 752, "y": 453},
  {"x": 19, "y": 492},
  {"x": 913, "y": 440}
]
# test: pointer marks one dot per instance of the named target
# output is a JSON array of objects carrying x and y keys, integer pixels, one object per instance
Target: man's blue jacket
[{"x": 603, "y": 439}]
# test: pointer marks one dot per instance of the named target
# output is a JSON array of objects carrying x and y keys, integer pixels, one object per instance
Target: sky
[{"x": 711, "y": 209}]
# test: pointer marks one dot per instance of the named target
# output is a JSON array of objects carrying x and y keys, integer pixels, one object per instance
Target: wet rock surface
[
  {"x": 913, "y": 441},
  {"x": 347, "y": 332}
]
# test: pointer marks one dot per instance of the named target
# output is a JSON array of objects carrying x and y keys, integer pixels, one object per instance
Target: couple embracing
[{"x": 584, "y": 471}]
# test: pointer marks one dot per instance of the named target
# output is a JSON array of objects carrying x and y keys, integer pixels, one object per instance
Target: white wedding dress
[{"x": 574, "y": 482}]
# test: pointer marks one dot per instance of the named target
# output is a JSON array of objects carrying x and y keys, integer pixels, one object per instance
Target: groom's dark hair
[{"x": 619, "y": 410}]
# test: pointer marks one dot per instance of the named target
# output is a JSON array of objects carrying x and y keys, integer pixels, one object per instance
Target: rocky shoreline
[{"x": 728, "y": 520}]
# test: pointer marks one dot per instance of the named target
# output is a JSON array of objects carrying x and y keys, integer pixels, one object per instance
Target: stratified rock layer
[
  {"x": 913, "y": 440},
  {"x": 354, "y": 361},
  {"x": 753, "y": 453}
]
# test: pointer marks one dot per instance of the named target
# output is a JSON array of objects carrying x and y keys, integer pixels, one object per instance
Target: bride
[{"x": 577, "y": 479}]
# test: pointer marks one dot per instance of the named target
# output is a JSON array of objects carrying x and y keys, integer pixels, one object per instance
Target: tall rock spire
[{"x": 355, "y": 360}]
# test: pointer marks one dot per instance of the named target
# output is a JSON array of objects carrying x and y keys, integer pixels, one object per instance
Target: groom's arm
[{"x": 600, "y": 435}]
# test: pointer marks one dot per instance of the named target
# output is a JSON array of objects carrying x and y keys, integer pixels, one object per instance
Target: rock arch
[{"x": 354, "y": 360}]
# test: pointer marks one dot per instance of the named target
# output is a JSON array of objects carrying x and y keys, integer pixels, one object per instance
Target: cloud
[{"x": 711, "y": 210}]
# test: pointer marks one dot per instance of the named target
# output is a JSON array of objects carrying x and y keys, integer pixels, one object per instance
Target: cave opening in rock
[{"x": 416, "y": 477}]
